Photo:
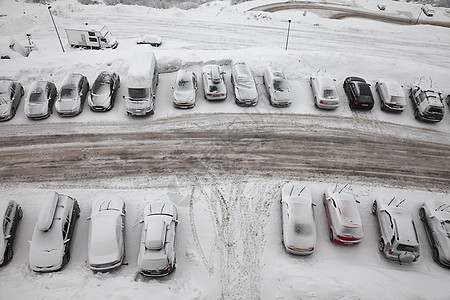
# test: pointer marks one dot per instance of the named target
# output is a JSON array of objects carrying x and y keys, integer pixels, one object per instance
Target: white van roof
[{"x": 140, "y": 73}]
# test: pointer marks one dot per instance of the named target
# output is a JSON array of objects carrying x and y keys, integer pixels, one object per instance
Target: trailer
[{"x": 91, "y": 37}]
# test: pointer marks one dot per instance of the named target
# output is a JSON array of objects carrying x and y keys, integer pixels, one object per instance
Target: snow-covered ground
[{"x": 229, "y": 236}]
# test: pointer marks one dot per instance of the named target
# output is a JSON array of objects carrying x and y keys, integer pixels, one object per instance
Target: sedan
[
  {"x": 299, "y": 227},
  {"x": 10, "y": 215},
  {"x": 73, "y": 93},
  {"x": 358, "y": 93},
  {"x": 157, "y": 249},
  {"x": 106, "y": 244},
  {"x": 324, "y": 91},
  {"x": 392, "y": 96},
  {"x": 104, "y": 90},
  {"x": 40, "y": 99},
  {"x": 214, "y": 82},
  {"x": 435, "y": 215},
  {"x": 343, "y": 216},
  {"x": 10, "y": 94},
  {"x": 277, "y": 86},
  {"x": 150, "y": 39},
  {"x": 244, "y": 85},
  {"x": 185, "y": 89}
]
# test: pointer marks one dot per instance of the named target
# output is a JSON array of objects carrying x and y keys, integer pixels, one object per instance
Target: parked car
[
  {"x": 214, "y": 82},
  {"x": 343, "y": 216},
  {"x": 150, "y": 39},
  {"x": 324, "y": 91},
  {"x": 10, "y": 94},
  {"x": 435, "y": 215},
  {"x": 104, "y": 90},
  {"x": 52, "y": 236},
  {"x": 392, "y": 96},
  {"x": 277, "y": 86},
  {"x": 185, "y": 89},
  {"x": 40, "y": 99},
  {"x": 399, "y": 240},
  {"x": 358, "y": 93},
  {"x": 297, "y": 212},
  {"x": 106, "y": 246},
  {"x": 428, "y": 104},
  {"x": 73, "y": 93},
  {"x": 11, "y": 213},
  {"x": 244, "y": 85},
  {"x": 157, "y": 249}
]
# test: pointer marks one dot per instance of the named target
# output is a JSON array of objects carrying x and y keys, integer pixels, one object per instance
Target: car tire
[
  {"x": 66, "y": 258},
  {"x": 9, "y": 253},
  {"x": 416, "y": 114},
  {"x": 383, "y": 107},
  {"x": 435, "y": 254},
  {"x": 20, "y": 213},
  {"x": 381, "y": 245},
  {"x": 77, "y": 211},
  {"x": 422, "y": 214},
  {"x": 22, "y": 92},
  {"x": 13, "y": 112},
  {"x": 374, "y": 208},
  {"x": 330, "y": 235}
]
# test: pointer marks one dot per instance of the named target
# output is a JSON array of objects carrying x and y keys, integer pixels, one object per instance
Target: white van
[{"x": 141, "y": 84}]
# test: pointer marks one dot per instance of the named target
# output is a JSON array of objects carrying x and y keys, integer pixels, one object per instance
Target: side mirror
[
  {"x": 123, "y": 96},
  {"x": 357, "y": 201},
  {"x": 7, "y": 237},
  {"x": 313, "y": 204},
  {"x": 172, "y": 88},
  {"x": 66, "y": 241},
  {"x": 122, "y": 214},
  {"x": 141, "y": 221},
  {"x": 88, "y": 218}
]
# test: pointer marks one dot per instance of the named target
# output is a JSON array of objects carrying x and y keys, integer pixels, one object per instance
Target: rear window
[
  {"x": 435, "y": 110},
  {"x": 329, "y": 94},
  {"x": 365, "y": 99},
  {"x": 406, "y": 248},
  {"x": 68, "y": 92}
]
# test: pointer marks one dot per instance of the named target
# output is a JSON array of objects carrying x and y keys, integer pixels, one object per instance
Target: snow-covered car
[
  {"x": 73, "y": 93},
  {"x": 299, "y": 227},
  {"x": 428, "y": 104},
  {"x": 52, "y": 236},
  {"x": 40, "y": 99},
  {"x": 10, "y": 94},
  {"x": 244, "y": 85},
  {"x": 10, "y": 215},
  {"x": 104, "y": 90},
  {"x": 399, "y": 240},
  {"x": 343, "y": 216},
  {"x": 358, "y": 93},
  {"x": 435, "y": 215},
  {"x": 324, "y": 91},
  {"x": 150, "y": 39},
  {"x": 106, "y": 242},
  {"x": 214, "y": 82},
  {"x": 185, "y": 89},
  {"x": 277, "y": 86},
  {"x": 392, "y": 96},
  {"x": 157, "y": 248}
]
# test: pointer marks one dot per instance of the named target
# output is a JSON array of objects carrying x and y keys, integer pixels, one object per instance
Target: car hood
[
  {"x": 112, "y": 256},
  {"x": 246, "y": 93},
  {"x": 184, "y": 97},
  {"x": 67, "y": 105},
  {"x": 282, "y": 96},
  {"x": 33, "y": 109},
  {"x": 46, "y": 257},
  {"x": 5, "y": 109},
  {"x": 100, "y": 99}
]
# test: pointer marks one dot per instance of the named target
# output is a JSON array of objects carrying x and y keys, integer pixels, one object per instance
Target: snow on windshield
[
  {"x": 280, "y": 85},
  {"x": 36, "y": 97},
  {"x": 185, "y": 85},
  {"x": 100, "y": 88},
  {"x": 329, "y": 93},
  {"x": 68, "y": 92}
]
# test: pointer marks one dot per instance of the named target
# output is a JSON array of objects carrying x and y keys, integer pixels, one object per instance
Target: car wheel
[
  {"x": 381, "y": 245},
  {"x": 331, "y": 235},
  {"x": 435, "y": 254},
  {"x": 374, "y": 208},
  {"x": 20, "y": 213},
  {"x": 77, "y": 212},
  {"x": 416, "y": 113},
  {"x": 9, "y": 253},
  {"x": 21, "y": 91},
  {"x": 66, "y": 258},
  {"x": 422, "y": 214},
  {"x": 315, "y": 102},
  {"x": 383, "y": 107}
]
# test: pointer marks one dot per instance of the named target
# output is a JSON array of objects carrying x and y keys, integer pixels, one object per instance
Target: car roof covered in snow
[
  {"x": 47, "y": 211},
  {"x": 404, "y": 224},
  {"x": 113, "y": 204},
  {"x": 71, "y": 79},
  {"x": 165, "y": 209},
  {"x": 393, "y": 87},
  {"x": 439, "y": 208},
  {"x": 141, "y": 67},
  {"x": 325, "y": 81},
  {"x": 349, "y": 215}
]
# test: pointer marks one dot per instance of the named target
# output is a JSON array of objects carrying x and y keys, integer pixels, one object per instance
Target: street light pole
[
  {"x": 55, "y": 28},
  {"x": 417, "y": 21},
  {"x": 287, "y": 37}
]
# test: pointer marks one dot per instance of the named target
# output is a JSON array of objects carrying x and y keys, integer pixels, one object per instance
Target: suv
[
  {"x": 428, "y": 104},
  {"x": 11, "y": 213},
  {"x": 399, "y": 240},
  {"x": 50, "y": 245}
]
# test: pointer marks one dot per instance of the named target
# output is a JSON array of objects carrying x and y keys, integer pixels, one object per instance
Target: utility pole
[
  {"x": 287, "y": 37},
  {"x": 417, "y": 21},
  {"x": 49, "y": 7}
]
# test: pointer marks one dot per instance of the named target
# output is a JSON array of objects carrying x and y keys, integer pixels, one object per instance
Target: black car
[
  {"x": 358, "y": 93},
  {"x": 11, "y": 213},
  {"x": 104, "y": 90},
  {"x": 40, "y": 99},
  {"x": 10, "y": 94}
]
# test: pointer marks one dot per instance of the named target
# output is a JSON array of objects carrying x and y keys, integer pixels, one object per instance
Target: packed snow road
[{"x": 242, "y": 144}]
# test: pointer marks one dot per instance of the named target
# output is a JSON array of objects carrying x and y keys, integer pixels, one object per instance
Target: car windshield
[
  {"x": 36, "y": 97},
  {"x": 3, "y": 98},
  {"x": 100, "y": 88},
  {"x": 137, "y": 94},
  {"x": 329, "y": 93},
  {"x": 407, "y": 248},
  {"x": 280, "y": 85},
  {"x": 68, "y": 92},
  {"x": 185, "y": 85},
  {"x": 302, "y": 229}
]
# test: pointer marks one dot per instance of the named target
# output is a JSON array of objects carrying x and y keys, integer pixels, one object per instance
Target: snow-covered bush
[{"x": 158, "y": 3}]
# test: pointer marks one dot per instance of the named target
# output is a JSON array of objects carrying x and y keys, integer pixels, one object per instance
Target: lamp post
[
  {"x": 49, "y": 7},
  {"x": 417, "y": 21},
  {"x": 287, "y": 37}
]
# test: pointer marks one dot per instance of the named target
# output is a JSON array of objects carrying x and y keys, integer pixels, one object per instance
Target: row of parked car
[
  {"x": 399, "y": 240},
  {"x": 53, "y": 233},
  {"x": 143, "y": 79}
]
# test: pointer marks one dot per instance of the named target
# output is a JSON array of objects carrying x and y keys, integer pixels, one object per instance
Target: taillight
[
  {"x": 169, "y": 268},
  {"x": 321, "y": 101},
  {"x": 372, "y": 104},
  {"x": 356, "y": 102},
  {"x": 208, "y": 94},
  {"x": 390, "y": 251}
]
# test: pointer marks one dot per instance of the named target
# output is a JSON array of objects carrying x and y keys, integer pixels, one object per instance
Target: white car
[
  {"x": 185, "y": 89},
  {"x": 73, "y": 93},
  {"x": 343, "y": 217},
  {"x": 277, "y": 86},
  {"x": 10, "y": 94},
  {"x": 106, "y": 246},
  {"x": 399, "y": 240},
  {"x": 10, "y": 215},
  {"x": 324, "y": 91},
  {"x": 157, "y": 249},
  {"x": 435, "y": 215},
  {"x": 150, "y": 39},
  {"x": 244, "y": 85},
  {"x": 52, "y": 236},
  {"x": 392, "y": 96},
  {"x": 40, "y": 99},
  {"x": 299, "y": 227},
  {"x": 214, "y": 82}
]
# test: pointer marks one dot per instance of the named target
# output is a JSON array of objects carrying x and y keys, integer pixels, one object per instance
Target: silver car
[
  {"x": 392, "y": 96},
  {"x": 10, "y": 215},
  {"x": 324, "y": 91},
  {"x": 244, "y": 85},
  {"x": 10, "y": 94},
  {"x": 40, "y": 99},
  {"x": 157, "y": 249},
  {"x": 106, "y": 244},
  {"x": 73, "y": 93},
  {"x": 399, "y": 240},
  {"x": 185, "y": 89},
  {"x": 214, "y": 82},
  {"x": 277, "y": 86},
  {"x": 104, "y": 91}
]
